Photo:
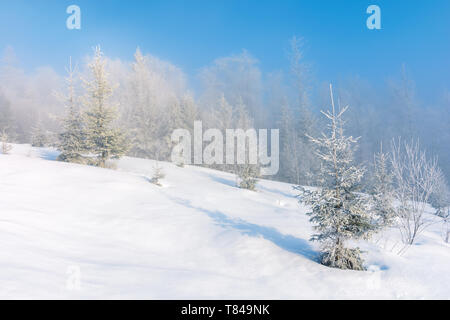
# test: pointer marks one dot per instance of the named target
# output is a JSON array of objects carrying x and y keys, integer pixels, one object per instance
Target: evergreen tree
[
  {"x": 143, "y": 118},
  {"x": 38, "y": 135},
  {"x": 337, "y": 210},
  {"x": 223, "y": 115},
  {"x": 157, "y": 175},
  {"x": 302, "y": 121},
  {"x": 72, "y": 140},
  {"x": 247, "y": 173},
  {"x": 7, "y": 123},
  {"x": 440, "y": 197},
  {"x": 104, "y": 141},
  {"x": 5, "y": 146},
  {"x": 290, "y": 161},
  {"x": 382, "y": 191}
]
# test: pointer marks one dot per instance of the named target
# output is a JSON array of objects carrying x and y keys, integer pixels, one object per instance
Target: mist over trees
[
  {"x": 153, "y": 97},
  {"x": 104, "y": 108}
]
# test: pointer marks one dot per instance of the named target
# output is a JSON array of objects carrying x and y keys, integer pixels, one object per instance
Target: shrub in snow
[
  {"x": 415, "y": 178},
  {"x": 247, "y": 176},
  {"x": 157, "y": 175},
  {"x": 338, "y": 212}
]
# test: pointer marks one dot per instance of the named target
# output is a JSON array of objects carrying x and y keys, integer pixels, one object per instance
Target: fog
[{"x": 378, "y": 113}]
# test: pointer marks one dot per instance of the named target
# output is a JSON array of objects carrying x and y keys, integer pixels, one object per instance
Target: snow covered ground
[{"x": 196, "y": 237}]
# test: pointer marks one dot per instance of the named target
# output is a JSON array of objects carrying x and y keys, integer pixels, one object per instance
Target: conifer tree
[
  {"x": 247, "y": 173},
  {"x": 382, "y": 192},
  {"x": 5, "y": 146},
  {"x": 38, "y": 135},
  {"x": 72, "y": 139},
  {"x": 143, "y": 113},
  {"x": 157, "y": 175},
  {"x": 337, "y": 210},
  {"x": 104, "y": 141}
]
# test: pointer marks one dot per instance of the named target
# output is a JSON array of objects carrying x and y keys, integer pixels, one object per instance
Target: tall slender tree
[
  {"x": 338, "y": 211},
  {"x": 103, "y": 139},
  {"x": 382, "y": 190},
  {"x": 72, "y": 140}
]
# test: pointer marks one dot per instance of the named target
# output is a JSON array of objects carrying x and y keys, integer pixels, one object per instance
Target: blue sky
[{"x": 191, "y": 34}]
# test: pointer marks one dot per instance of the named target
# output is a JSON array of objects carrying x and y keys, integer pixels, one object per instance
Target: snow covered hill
[{"x": 196, "y": 237}]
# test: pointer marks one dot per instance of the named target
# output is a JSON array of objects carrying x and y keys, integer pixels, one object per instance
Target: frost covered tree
[
  {"x": 5, "y": 146},
  {"x": 247, "y": 173},
  {"x": 415, "y": 177},
  {"x": 38, "y": 135},
  {"x": 382, "y": 192},
  {"x": 440, "y": 200},
  {"x": 338, "y": 211},
  {"x": 103, "y": 139},
  {"x": 182, "y": 114},
  {"x": 440, "y": 197},
  {"x": 158, "y": 174},
  {"x": 303, "y": 119},
  {"x": 290, "y": 161},
  {"x": 155, "y": 104},
  {"x": 237, "y": 77},
  {"x": 446, "y": 225},
  {"x": 143, "y": 113},
  {"x": 7, "y": 122},
  {"x": 72, "y": 140}
]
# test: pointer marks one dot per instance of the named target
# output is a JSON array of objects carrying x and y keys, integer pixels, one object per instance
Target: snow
[{"x": 196, "y": 237}]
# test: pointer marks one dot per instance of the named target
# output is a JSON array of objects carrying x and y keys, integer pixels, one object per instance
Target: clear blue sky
[{"x": 192, "y": 33}]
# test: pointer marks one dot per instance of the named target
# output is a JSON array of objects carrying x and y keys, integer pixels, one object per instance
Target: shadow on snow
[{"x": 286, "y": 242}]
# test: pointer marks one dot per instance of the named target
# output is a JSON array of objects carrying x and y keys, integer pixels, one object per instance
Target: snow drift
[{"x": 196, "y": 237}]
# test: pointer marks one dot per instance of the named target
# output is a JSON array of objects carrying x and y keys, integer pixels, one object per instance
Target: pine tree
[
  {"x": 223, "y": 115},
  {"x": 104, "y": 141},
  {"x": 302, "y": 120},
  {"x": 247, "y": 173},
  {"x": 290, "y": 161},
  {"x": 6, "y": 147},
  {"x": 440, "y": 197},
  {"x": 158, "y": 174},
  {"x": 143, "y": 113},
  {"x": 382, "y": 191},
  {"x": 72, "y": 139},
  {"x": 337, "y": 210},
  {"x": 7, "y": 121},
  {"x": 38, "y": 135}
]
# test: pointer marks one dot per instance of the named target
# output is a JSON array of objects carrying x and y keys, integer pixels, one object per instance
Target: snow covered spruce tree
[
  {"x": 440, "y": 197},
  {"x": 142, "y": 113},
  {"x": 5, "y": 146},
  {"x": 157, "y": 175},
  {"x": 248, "y": 172},
  {"x": 382, "y": 190},
  {"x": 72, "y": 139},
  {"x": 38, "y": 135},
  {"x": 103, "y": 140},
  {"x": 337, "y": 210},
  {"x": 440, "y": 200}
]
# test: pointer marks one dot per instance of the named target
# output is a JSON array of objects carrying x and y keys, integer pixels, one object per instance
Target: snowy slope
[{"x": 197, "y": 237}]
